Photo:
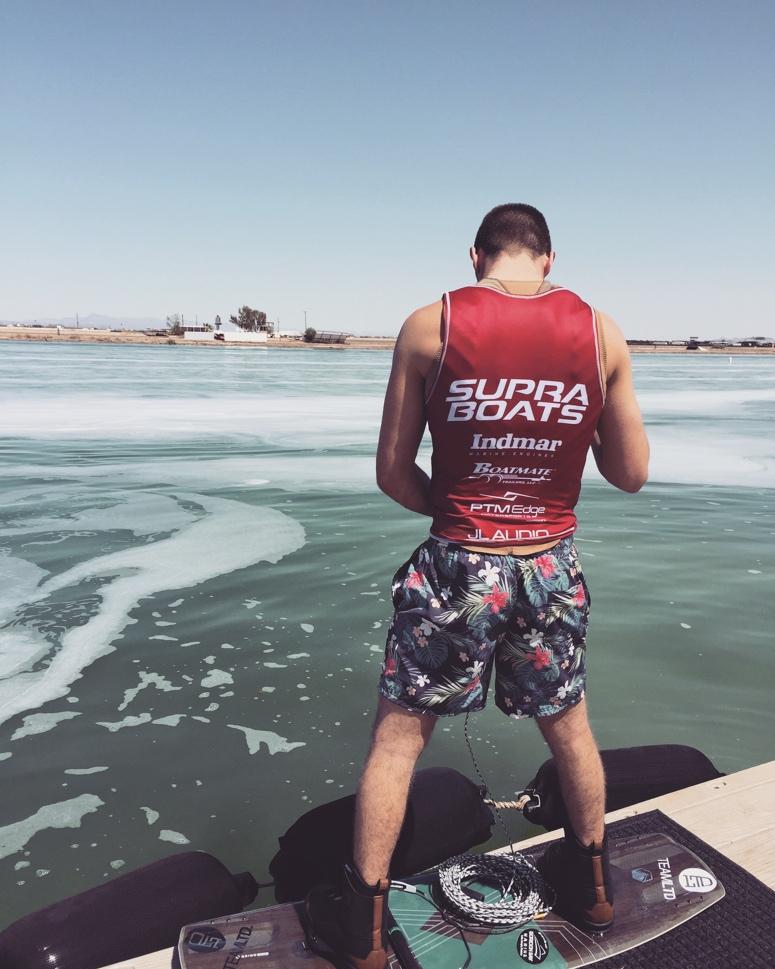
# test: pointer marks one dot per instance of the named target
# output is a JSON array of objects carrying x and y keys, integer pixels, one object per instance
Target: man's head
[{"x": 514, "y": 236}]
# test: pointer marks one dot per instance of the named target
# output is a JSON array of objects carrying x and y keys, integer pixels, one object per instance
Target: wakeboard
[{"x": 658, "y": 885}]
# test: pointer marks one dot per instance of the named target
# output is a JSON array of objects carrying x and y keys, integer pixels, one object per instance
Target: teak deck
[{"x": 734, "y": 814}]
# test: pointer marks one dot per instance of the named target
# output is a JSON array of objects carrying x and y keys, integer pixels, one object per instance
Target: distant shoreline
[
  {"x": 50, "y": 335},
  {"x": 128, "y": 337}
]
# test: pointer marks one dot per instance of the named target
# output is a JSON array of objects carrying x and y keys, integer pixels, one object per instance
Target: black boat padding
[
  {"x": 445, "y": 816},
  {"x": 633, "y": 774},
  {"x": 132, "y": 914}
]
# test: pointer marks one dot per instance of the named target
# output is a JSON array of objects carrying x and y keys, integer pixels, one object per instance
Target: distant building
[
  {"x": 757, "y": 341},
  {"x": 228, "y": 333}
]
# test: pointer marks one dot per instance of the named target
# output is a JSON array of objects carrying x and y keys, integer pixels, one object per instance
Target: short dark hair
[{"x": 513, "y": 226}]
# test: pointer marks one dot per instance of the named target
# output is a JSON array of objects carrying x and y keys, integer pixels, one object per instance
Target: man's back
[{"x": 512, "y": 412}]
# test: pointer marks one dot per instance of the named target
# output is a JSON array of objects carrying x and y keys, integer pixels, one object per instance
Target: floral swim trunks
[{"x": 458, "y": 613}]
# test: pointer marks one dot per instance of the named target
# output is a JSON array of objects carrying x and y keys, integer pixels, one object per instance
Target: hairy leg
[
  {"x": 397, "y": 740},
  {"x": 579, "y": 768}
]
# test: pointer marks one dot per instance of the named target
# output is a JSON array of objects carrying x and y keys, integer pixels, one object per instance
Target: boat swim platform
[{"x": 733, "y": 814}]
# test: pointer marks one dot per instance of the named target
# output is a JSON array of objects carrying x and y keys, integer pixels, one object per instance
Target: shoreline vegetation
[{"x": 50, "y": 335}]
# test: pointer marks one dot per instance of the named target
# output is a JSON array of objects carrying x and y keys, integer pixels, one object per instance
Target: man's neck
[{"x": 522, "y": 268}]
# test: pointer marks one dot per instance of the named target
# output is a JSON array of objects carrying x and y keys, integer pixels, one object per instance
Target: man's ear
[
  {"x": 474, "y": 257},
  {"x": 549, "y": 262}
]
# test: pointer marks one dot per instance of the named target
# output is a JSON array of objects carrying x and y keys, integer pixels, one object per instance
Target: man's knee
[
  {"x": 570, "y": 727},
  {"x": 400, "y": 731}
]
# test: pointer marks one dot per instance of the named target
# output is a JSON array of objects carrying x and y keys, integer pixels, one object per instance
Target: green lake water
[{"x": 196, "y": 565}]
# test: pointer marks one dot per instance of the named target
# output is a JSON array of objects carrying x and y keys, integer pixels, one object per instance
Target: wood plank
[{"x": 756, "y": 853}]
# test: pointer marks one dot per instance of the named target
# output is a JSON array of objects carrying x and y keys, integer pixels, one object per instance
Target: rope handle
[{"x": 528, "y": 798}]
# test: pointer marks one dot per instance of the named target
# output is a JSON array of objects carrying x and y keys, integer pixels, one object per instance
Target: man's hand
[
  {"x": 403, "y": 415},
  {"x": 620, "y": 446}
]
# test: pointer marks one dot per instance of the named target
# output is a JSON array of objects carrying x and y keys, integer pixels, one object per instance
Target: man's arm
[
  {"x": 620, "y": 446},
  {"x": 403, "y": 415}
]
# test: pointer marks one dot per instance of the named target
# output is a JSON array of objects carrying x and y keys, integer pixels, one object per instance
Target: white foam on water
[
  {"x": 168, "y": 639},
  {"x": 161, "y": 622},
  {"x": 212, "y": 707},
  {"x": 146, "y": 680},
  {"x": 19, "y": 580},
  {"x": 231, "y": 536},
  {"x": 276, "y": 666},
  {"x": 705, "y": 402},
  {"x": 274, "y": 743},
  {"x": 5, "y": 755},
  {"x": 215, "y": 678},
  {"x": 174, "y": 836},
  {"x": 140, "y": 512},
  {"x": 293, "y": 656},
  {"x": 151, "y": 816},
  {"x": 176, "y": 603},
  {"x": 85, "y": 770},
  {"x": 307, "y": 627},
  {"x": 113, "y": 726},
  {"x": 62, "y": 814},
  {"x": 171, "y": 721},
  {"x": 277, "y": 419},
  {"x": 117, "y": 863},
  {"x": 35, "y": 723}
]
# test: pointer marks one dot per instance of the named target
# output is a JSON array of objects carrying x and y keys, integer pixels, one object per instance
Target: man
[{"x": 516, "y": 379}]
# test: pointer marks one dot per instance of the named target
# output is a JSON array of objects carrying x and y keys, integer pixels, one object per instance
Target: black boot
[
  {"x": 581, "y": 877},
  {"x": 350, "y": 920}
]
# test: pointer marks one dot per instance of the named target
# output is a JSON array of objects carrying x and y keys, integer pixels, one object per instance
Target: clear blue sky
[{"x": 337, "y": 157}]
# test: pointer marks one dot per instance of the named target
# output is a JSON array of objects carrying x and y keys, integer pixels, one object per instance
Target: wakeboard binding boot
[
  {"x": 581, "y": 877},
  {"x": 348, "y": 923}
]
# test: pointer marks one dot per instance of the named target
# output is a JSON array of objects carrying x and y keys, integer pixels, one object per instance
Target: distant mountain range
[{"x": 102, "y": 322}]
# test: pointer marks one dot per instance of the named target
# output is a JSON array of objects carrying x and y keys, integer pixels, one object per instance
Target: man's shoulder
[
  {"x": 421, "y": 334},
  {"x": 425, "y": 317}
]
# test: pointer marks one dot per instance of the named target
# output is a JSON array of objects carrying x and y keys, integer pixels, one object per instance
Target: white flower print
[
  {"x": 490, "y": 573},
  {"x": 463, "y": 657},
  {"x": 534, "y": 638},
  {"x": 422, "y": 680},
  {"x": 473, "y": 558},
  {"x": 476, "y": 669},
  {"x": 435, "y": 604},
  {"x": 425, "y": 628},
  {"x": 446, "y": 592}
]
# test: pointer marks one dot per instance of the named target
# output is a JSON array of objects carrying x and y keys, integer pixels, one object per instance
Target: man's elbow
[
  {"x": 387, "y": 478},
  {"x": 633, "y": 485},
  {"x": 633, "y": 480}
]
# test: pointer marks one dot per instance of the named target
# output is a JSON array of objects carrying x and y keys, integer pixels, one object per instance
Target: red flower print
[
  {"x": 542, "y": 658},
  {"x": 414, "y": 580},
  {"x": 546, "y": 564},
  {"x": 390, "y": 667},
  {"x": 579, "y": 597},
  {"x": 496, "y": 598}
]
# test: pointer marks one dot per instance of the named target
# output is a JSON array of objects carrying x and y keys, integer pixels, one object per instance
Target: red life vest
[{"x": 512, "y": 413}]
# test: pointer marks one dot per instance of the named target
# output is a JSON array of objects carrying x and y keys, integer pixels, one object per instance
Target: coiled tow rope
[{"x": 524, "y": 895}]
